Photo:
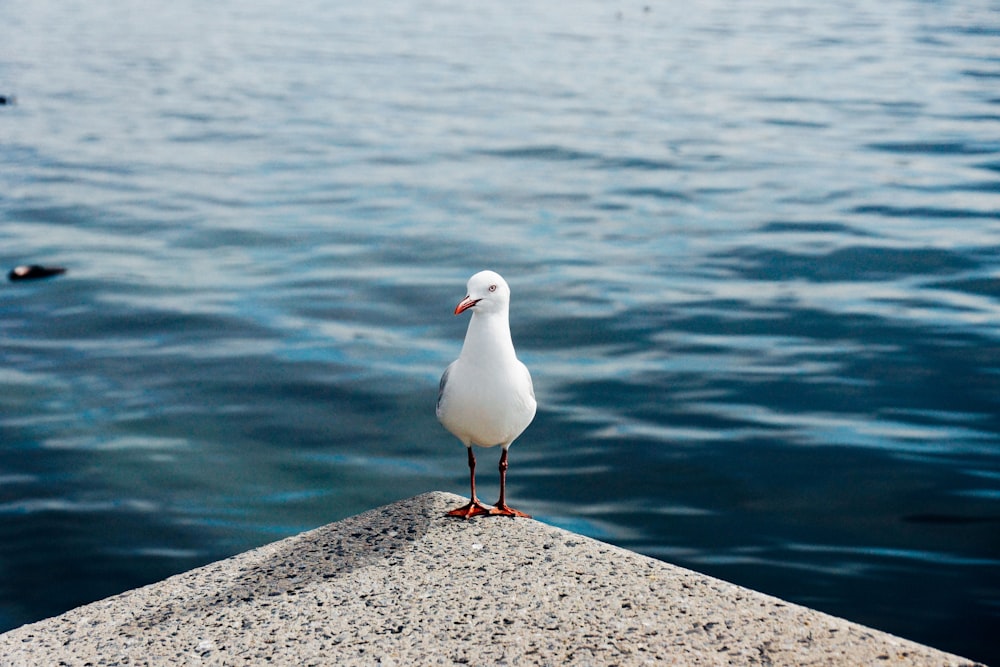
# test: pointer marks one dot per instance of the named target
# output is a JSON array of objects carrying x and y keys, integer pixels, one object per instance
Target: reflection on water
[{"x": 753, "y": 250}]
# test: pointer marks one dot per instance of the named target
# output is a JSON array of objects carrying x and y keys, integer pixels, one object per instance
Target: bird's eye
[{"x": 493, "y": 288}]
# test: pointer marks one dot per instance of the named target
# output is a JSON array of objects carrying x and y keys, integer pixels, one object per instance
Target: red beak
[{"x": 465, "y": 304}]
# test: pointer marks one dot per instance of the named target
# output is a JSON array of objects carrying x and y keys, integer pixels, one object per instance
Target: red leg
[
  {"x": 474, "y": 508},
  {"x": 501, "y": 507}
]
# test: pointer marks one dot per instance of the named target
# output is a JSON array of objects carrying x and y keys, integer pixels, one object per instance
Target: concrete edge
[{"x": 402, "y": 584}]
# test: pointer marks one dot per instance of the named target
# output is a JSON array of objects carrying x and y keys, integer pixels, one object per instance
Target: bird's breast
[{"x": 486, "y": 406}]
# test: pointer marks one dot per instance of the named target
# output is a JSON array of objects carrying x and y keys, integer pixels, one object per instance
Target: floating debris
[{"x": 34, "y": 272}]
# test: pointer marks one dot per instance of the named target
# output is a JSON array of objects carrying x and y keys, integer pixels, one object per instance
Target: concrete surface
[{"x": 404, "y": 585}]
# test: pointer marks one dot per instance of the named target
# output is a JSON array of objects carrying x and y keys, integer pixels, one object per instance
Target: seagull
[{"x": 486, "y": 397}]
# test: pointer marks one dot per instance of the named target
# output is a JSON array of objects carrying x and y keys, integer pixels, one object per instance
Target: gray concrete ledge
[{"x": 404, "y": 585}]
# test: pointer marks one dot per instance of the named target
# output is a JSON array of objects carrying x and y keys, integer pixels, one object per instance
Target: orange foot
[
  {"x": 474, "y": 508},
  {"x": 504, "y": 510}
]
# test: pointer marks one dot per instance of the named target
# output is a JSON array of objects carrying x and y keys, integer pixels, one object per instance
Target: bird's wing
[
  {"x": 527, "y": 376},
  {"x": 444, "y": 381}
]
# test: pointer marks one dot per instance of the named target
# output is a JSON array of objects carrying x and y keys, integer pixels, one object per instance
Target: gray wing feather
[{"x": 444, "y": 381}]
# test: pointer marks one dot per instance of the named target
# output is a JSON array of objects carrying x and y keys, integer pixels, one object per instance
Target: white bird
[{"x": 486, "y": 397}]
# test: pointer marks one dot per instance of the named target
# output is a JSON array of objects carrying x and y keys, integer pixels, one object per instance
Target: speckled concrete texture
[{"x": 404, "y": 585}]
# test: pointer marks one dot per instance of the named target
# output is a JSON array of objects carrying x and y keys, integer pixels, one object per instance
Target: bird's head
[{"x": 487, "y": 293}]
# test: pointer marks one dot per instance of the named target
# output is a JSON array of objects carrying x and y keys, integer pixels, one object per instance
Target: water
[{"x": 754, "y": 250}]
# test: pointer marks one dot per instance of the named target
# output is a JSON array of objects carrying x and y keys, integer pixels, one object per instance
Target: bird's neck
[{"x": 488, "y": 338}]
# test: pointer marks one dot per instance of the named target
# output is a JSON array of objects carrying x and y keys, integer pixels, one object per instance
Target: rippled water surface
[{"x": 754, "y": 249}]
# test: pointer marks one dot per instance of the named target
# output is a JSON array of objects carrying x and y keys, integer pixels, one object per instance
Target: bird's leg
[
  {"x": 501, "y": 506},
  {"x": 474, "y": 508}
]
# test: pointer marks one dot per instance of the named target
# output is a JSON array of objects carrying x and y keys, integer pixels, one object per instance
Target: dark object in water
[
  {"x": 33, "y": 272},
  {"x": 7, "y": 99}
]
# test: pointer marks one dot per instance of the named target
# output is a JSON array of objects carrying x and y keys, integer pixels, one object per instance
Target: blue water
[{"x": 754, "y": 249}]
